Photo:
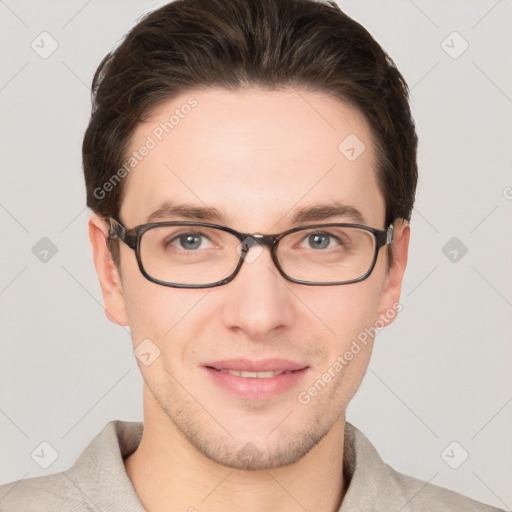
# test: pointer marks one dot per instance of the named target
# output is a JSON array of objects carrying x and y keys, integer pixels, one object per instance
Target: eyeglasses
[{"x": 202, "y": 255}]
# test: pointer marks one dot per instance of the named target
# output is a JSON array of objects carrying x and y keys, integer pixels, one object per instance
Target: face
[{"x": 255, "y": 158}]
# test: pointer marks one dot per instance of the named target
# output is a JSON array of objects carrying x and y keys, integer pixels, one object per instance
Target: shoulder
[
  {"x": 45, "y": 493},
  {"x": 375, "y": 485},
  {"x": 96, "y": 481},
  {"x": 420, "y": 496}
]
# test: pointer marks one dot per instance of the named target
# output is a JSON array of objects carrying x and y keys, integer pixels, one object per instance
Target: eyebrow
[{"x": 315, "y": 213}]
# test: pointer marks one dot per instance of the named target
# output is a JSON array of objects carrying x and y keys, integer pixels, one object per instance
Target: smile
[
  {"x": 255, "y": 375},
  {"x": 256, "y": 383}
]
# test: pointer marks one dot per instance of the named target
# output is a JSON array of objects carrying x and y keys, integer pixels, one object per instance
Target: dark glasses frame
[{"x": 132, "y": 238}]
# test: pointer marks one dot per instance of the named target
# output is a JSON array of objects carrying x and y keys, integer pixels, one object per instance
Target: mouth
[
  {"x": 256, "y": 380},
  {"x": 253, "y": 375}
]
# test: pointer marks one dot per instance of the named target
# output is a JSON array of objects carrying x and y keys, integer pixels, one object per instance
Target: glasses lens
[
  {"x": 188, "y": 255},
  {"x": 329, "y": 254}
]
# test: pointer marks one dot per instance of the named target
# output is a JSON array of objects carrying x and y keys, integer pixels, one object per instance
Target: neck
[{"x": 168, "y": 473}]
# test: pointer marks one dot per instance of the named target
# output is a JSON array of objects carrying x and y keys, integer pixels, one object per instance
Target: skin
[{"x": 256, "y": 156}]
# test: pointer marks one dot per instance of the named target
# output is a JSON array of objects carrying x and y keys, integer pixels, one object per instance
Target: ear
[
  {"x": 389, "y": 304},
  {"x": 110, "y": 282}
]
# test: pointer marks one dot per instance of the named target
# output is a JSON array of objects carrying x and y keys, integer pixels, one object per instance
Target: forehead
[{"x": 255, "y": 157}]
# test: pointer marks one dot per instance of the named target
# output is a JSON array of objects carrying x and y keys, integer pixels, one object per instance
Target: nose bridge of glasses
[{"x": 257, "y": 239}]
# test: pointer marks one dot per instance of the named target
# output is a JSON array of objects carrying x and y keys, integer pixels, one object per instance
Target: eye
[
  {"x": 322, "y": 240},
  {"x": 188, "y": 241}
]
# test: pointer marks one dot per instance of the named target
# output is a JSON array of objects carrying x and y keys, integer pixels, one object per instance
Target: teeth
[{"x": 255, "y": 375}]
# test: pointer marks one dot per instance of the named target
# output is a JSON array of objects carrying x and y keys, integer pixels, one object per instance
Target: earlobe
[
  {"x": 390, "y": 297},
  {"x": 108, "y": 276}
]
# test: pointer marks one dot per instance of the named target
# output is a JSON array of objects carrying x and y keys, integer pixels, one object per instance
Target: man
[{"x": 251, "y": 167}]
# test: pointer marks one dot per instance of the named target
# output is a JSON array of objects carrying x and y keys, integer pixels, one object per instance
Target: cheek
[
  {"x": 343, "y": 311},
  {"x": 350, "y": 312},
  {"x": 171, "y": 318},
  {"x": 152, "y": 309}
]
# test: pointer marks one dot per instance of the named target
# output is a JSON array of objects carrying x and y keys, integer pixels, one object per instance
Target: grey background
[{"x": 440, "y": 374}]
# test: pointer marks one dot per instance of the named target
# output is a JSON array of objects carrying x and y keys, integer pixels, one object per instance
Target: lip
[
  {"x": 253, "y": 388},
  {"x": 251, "y": 365}
]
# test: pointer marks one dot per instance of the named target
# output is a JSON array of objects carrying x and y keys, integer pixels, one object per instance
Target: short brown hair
[{"x": 232, "y": 44}]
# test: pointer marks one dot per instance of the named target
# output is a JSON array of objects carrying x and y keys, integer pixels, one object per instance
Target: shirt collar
[
  {"x": 372, "y": 484},
  {"x": 100, "y": 470},
  {"x": 100, "y": 467}
]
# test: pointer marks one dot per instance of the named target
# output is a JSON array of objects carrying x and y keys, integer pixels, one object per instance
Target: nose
[{"x": 258, "y": 300}]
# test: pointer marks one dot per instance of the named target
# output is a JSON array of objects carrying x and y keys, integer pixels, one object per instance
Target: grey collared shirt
[{"x": 98, "y": 482}]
